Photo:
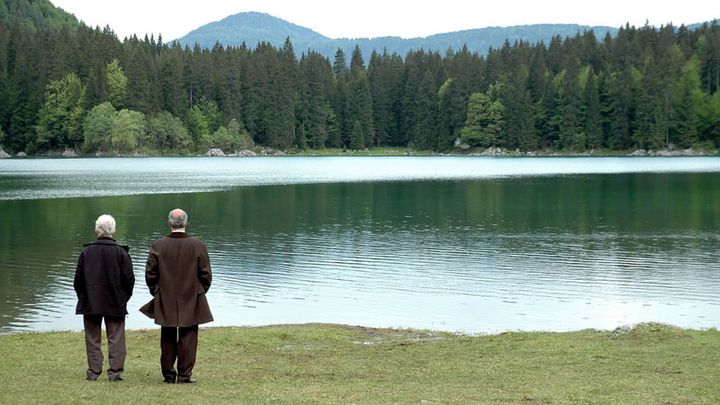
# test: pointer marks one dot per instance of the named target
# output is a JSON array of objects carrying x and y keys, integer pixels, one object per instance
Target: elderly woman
[{"x": 104, "y": 282}]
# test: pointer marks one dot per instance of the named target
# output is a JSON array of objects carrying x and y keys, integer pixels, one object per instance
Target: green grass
[{"x": 651, "y": 364}]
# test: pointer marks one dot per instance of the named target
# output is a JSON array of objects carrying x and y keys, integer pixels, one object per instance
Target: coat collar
[
  {"x": 107, "y": 241},
  {"x": 178, "y": 235}
]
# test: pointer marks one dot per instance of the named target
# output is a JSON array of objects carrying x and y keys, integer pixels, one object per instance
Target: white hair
[
  {"x": 105, "y": 226},
  {"x": 177, "y": 219}
]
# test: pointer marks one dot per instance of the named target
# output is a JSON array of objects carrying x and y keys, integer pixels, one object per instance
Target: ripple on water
[{"x": 416, "y": 266}]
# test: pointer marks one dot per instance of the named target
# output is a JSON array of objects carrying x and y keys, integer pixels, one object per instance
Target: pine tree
[
  {"x": 518, "y": 113},
  {"x": 571, "y": 135},
  {"x": 620, "y": 109},
  {"x": 385, "y": 78},
  {"x": 359, "y": 107},
  {"x": 282, "y": 130},
  {"x": 356, "y": 137},
  {"x": 710, "y": 58},
  {"x": 423, "y": 133},
  {"x": 338, "y": 101},
  {"x": 592, "y": 120},
  {"x": 316, "y": 78},
  {"x": 687, "y": 102},
  {"x": 116, "y": 84},
  {"x": 198, "y": 128},
  {"x": 464, "y": 72},
  {"x": 171, "y": 79}
]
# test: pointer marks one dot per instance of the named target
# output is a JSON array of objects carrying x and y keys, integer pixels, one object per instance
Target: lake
[{"x": 477, "y": 245}]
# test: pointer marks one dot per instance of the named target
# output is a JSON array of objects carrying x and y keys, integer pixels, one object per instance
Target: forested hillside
[
  {"x": 34, "y": 14},
  {"x": 251, "y": 28},
  {"x": 84, "y": 89}
]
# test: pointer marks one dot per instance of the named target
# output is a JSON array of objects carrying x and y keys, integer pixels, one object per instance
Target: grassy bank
[{"x": 337, "y": 364}]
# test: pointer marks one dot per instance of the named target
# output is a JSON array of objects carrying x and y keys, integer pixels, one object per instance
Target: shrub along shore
[{"x": 650, "y": 363}]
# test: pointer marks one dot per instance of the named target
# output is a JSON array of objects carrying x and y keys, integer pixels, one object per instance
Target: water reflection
[
  {"x": 551, "y": 253},
  {"x": 65, "y": 178}
]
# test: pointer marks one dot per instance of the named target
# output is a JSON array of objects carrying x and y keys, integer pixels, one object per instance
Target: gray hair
[
  {"x": 177, "y": 219},
  {"x": 105, "y": 226}
]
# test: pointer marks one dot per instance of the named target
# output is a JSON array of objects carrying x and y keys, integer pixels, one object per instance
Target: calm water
[{"x": 460, "y": 244}]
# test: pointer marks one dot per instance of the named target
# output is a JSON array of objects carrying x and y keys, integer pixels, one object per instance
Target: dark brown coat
[
  {"x": 104, "y": 279},
  {"x": 178, "y": 274}
]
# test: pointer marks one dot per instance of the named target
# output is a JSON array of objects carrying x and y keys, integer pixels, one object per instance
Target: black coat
[{"x": 104, "y": 279}]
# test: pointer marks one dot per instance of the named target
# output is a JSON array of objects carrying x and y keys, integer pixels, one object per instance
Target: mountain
[
  {"x": 35, "y": 14},
  {"x": 252, "y": 27}
]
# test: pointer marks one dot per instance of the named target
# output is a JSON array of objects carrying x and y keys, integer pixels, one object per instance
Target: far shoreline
[{"x": 381, "y": 152}]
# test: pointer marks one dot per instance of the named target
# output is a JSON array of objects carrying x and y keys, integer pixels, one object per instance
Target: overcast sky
[{"x": 372, "y": 18}]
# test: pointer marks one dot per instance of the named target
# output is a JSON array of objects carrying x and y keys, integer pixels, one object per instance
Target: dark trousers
[
  {"x": 115, "y": 329},
  {"x": 178, "y": 344}
]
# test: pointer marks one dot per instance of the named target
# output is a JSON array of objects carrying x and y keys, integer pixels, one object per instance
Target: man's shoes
[
  {"x": 187, "y": 381},
  {"x": 169, "y": 381},
  {"x": 89, "y": 378},
  {"x": 116, "y": 378}
]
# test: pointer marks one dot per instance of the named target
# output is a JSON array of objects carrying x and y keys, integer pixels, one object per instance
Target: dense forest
[{"x": 74, "y": 87}]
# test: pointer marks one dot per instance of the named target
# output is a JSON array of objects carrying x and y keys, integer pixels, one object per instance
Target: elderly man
[
  {"x": 104, "y": 282},
  {"x": 178, "y": 275}
]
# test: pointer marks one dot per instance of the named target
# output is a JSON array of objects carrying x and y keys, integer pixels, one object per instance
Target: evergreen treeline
[{"x": 84, "y": 89}]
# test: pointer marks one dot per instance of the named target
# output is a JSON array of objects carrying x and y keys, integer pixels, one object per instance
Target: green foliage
[
  {"x": 359, "y": 106},
  {"x": 709, "y": 119},
  {"x": 127, "y": 129},
  {"x": 484, "y": 121},
  {"x": 98, "y": 128},
  {"x": 166, "y": 134},
  {"x": 233, "y": 138},
  {"x": 198, "y": 128},
  {"x": 592, "y": 124},
  {"x": 107, "y": 130},
  {"x": 222, "y": 139},
  {"x": 312, "y": 106},
  {"x": 333, "y": 130},
  {"x": 211, "y": 113},
  {"x": 689, "y": 102},
  {"x": 60, "y": 118},
  {"x": 117, "y": 84},
  {"x": 385, "y": 76},
  {"x": 518, "y": 118},
  {"x": 356, "y": 139},
  {"x": 242, "y": 139},
  {"x": 570, "y": 134}
]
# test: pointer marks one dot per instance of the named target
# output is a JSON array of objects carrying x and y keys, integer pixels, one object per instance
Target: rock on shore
[
  {"x": 667, "y": 152},
  {"x": 215, "y": 152}
]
